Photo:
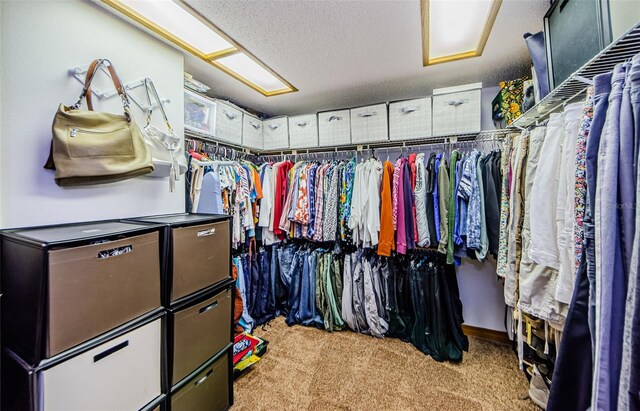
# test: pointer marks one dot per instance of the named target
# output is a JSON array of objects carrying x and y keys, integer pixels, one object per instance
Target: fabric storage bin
[
  {"x": 208, "y": 388},
  {"x": 197, "y": 252},
  {"x": 276, "y": 133},
  {"x": 199, "y": 113},
  {"x": 121, "y": 373},
  {"x": 198, "y": 330},
  {"x": 252, "y": 132},
  {"x": 410, "y": 119},
  {"x": 303, "y": 131},
  {"x": 369, "y": 124},
  {"x": 228, "y": 126},
  {"x": 334, "y": 128},
  {"x": 64, "y": 285},
  {"x": 457, "y": 109}
]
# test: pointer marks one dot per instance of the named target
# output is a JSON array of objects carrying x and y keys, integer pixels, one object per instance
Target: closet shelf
[
  {"x": 188, "y": 134},
  {"x": 486, "y": 135},
  {"x": 620, "y": 50}
]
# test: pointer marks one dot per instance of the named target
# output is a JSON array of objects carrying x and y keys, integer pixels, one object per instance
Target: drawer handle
[
  {"x": 206, "y": 233},
  {"x": 457, "y": 102},
  {"x": 302, "y": 123},
  {"x": 109, "y": 351},
  {"x": 230, "y": 116},
  {"x": 201, "y": 380},
  {"x": 334, "y": 118},
  {"x": 274, "y": 126},
  {"x": 208, "y": 307},
  {"x": 371, "y": 114},
  {"x": 407, "y": 110},
  {"x": 255, "y": 125},
  {"x": 114, "y": 252}
]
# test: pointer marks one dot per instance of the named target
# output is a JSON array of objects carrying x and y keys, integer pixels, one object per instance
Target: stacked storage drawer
[
  {"x": 82, "y": 309},
  {"x": 198, "y": 294}
]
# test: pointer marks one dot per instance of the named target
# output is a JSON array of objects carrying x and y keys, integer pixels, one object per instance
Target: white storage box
[
  {"x": 216, "y": 119},
  {"x": 199, "y": 113},
  {"x": 129, "y": 365},
  {"x": 276, "y": 133},
  {"x": 303, "y": 131},
  {"x": 410, "y": 119},
  {"x": 228, "y": 126},
  {"x": 369, "y": 124},
  {"x": 456, "y": 110},
  {"x": 252, "y": 129},
  {"x": 334, "y": 128}
]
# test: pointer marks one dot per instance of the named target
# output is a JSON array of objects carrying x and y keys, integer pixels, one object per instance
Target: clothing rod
[
  {"x": 482, "y": 136},
  {"x": 213, "y": 163}
]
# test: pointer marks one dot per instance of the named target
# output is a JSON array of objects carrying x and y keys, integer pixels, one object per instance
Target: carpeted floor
[{"x": 310, "y": 369}]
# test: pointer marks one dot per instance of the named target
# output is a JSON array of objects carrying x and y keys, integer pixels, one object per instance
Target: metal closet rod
[{"x": 483, "y": 136}]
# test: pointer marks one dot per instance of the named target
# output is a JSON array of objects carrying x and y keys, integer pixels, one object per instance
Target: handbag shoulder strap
[
  {"x": 150, "y": 87},
  {"x": 91, "y": 73}
]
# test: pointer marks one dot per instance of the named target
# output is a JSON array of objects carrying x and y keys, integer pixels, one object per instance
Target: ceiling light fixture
[
  {"x": 183, "y": 26},
  {"x": 456, "y": 29}
]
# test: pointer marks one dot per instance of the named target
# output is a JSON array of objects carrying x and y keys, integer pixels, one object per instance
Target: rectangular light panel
[
  {"x": 245, "y": 67},
  {"x": 184, "y": 27},
  {"x": 456, "y": 29},
  {"x": 168, "y": 16}
]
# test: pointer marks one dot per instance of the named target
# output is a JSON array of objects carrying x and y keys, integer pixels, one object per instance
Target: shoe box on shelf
[
  {"x": 198, "y": 295},
  {"x": 82, "y": 322}
]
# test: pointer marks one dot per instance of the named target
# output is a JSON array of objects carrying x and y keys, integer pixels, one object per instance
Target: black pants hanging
[{"x": 573, "y": 373}]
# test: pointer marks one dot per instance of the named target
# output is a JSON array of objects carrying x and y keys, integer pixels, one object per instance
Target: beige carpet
[{"x": 310, "y": 369}]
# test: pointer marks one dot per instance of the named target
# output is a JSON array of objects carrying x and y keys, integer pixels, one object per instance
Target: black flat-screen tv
[{"x": 575, "y": 31}]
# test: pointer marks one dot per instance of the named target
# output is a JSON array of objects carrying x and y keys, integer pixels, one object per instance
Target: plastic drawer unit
[
  {"x": 122, "y": 371},
  {"x": 210, "y": 387},
  {"x": 197, "y": 250},
  {"x": 67, "y": 284},
  {"x": 198, "y": 330}
]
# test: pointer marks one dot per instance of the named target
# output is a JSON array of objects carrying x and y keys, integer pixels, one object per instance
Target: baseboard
[{"x": 486, "y": 334}]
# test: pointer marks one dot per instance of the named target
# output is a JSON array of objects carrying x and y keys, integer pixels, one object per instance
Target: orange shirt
[{"x": 387, "y": 242}]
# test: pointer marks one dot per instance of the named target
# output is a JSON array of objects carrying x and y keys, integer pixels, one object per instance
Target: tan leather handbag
[{"x": 90, "y": 147}]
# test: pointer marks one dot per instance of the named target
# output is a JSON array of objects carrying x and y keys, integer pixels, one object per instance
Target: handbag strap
[
  {"x": 150, "y": 87},
  {"x": 91, "y": 73}
]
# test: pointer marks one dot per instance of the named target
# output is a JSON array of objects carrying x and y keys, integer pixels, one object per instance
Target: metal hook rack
[{"x": 80, "y": 73}]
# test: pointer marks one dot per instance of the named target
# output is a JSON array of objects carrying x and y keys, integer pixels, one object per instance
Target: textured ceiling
[{"x": 353, "y": 52}]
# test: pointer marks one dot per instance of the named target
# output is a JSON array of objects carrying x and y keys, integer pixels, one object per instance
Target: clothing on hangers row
[
  {"x": 413, "y": 298},
  {"x": 403, "y": 206},
  {"x": 570, "y": 246}
]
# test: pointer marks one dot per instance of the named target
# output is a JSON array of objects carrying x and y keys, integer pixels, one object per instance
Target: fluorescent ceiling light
[
  {"x": 244, "y": 66},
  {"x": 181, "y": 25},
  {"x": 456, "y": 29}
]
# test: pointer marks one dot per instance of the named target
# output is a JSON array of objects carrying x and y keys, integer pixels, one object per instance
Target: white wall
[
  {"x": 481, "y": 294},
  {"x": 624, "y": 15},
  {"x": 41, "y": 41}
]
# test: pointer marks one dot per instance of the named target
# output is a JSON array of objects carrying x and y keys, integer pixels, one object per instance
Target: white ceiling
[{"x": 346, "y": 53}]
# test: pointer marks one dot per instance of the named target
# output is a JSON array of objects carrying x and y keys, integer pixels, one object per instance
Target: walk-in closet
[{"x": 319, "y": 205}]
